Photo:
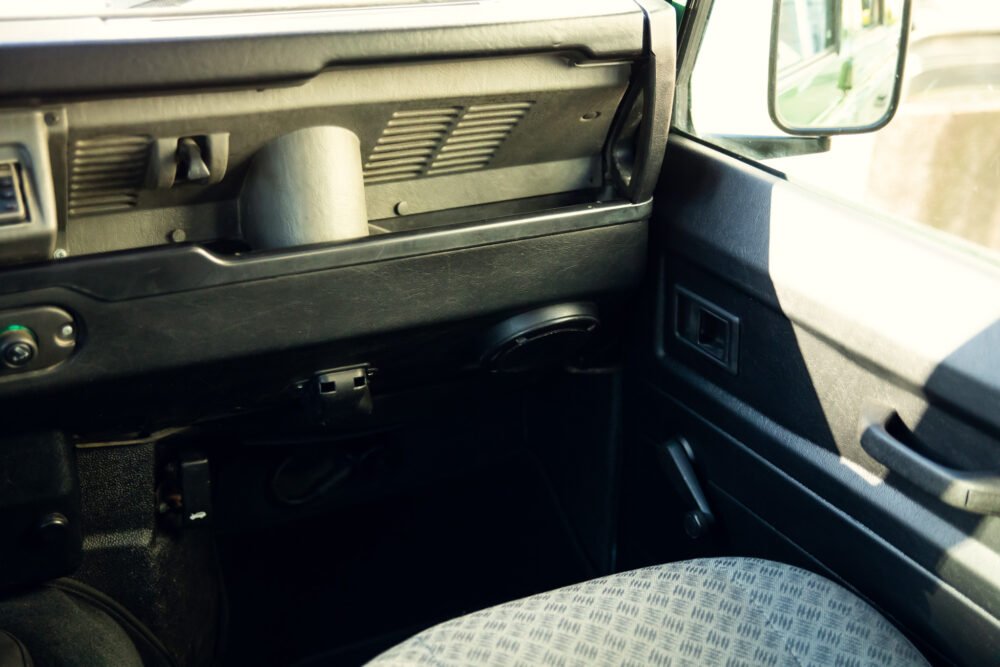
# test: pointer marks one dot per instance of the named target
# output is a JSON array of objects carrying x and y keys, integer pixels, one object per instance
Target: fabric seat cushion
[{"x": 724, "y": 611}]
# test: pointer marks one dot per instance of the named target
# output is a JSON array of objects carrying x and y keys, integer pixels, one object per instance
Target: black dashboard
[{"x": 216, "y": 206}]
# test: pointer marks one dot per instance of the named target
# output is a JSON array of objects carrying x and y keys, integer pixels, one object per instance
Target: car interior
[{"x": 417, "y": 332}]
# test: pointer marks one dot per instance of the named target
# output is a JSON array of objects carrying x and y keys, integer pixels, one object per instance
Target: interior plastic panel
[
  {"x": 131, "y": 275},
  {"x": 67, "y": 57},
  {"x": 541, "y": 123},
  {"x": 827, "y": 330},
  {"x": 335, "y": 306},
  {"x": 490, "y": 135},
  {"x": 454, "y": 105}
]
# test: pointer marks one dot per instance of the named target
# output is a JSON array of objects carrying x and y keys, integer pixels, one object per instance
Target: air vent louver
[
  {"x": 477, "y": 136},
  {"x": 106, "y": 174},
  {"x": 429, "y": 142}
]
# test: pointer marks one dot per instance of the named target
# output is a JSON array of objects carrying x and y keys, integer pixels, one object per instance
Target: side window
[{"x": 937, "y": 162}]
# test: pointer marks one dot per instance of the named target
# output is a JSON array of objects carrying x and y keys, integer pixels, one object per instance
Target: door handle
[{"x": 977, "y": 492}]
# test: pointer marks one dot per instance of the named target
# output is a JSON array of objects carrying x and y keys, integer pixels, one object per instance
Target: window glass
[{"x": 937, "y": 162}]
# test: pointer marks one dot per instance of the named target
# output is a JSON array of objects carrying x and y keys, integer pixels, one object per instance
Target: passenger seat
[{"x": 722, "y": 611}]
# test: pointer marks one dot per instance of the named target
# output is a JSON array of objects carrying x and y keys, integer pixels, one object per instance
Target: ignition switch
[
  {"x": 36, "y": 338},
  {"x": 17, "y": 346}
]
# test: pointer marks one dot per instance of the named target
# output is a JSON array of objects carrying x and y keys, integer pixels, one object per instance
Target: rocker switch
[{"x": 12, "y": 206}]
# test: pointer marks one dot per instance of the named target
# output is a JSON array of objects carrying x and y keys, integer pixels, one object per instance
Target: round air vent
[{"x": 540, "y": 338}]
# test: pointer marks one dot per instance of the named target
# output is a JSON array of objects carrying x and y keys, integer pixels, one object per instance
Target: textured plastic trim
[
  {"x": 131, "y": 275},
  {"x": 69, "y": 57}
]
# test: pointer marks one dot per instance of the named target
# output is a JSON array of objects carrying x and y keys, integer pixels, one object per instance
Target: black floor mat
[{"x": 340, "y": 589}]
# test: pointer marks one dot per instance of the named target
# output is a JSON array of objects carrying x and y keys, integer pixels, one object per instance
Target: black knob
[
  {"x": 17, "y": 347},
  {"x": 191, "y": 165}
]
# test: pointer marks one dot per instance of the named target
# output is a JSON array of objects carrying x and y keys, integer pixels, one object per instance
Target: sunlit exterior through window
[{"x": 937, "y": 161}]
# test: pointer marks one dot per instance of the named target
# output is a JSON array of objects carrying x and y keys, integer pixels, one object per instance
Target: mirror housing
[{"x": 836, "y": 66}]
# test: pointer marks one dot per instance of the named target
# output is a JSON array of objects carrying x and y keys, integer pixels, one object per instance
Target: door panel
[{"x": 839, "y": 313}]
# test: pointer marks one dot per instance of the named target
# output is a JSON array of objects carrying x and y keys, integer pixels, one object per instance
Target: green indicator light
[{"x": 16, "y": 327}]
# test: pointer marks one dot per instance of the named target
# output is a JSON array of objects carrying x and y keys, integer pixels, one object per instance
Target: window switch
[{"x": 12, "y": 206}]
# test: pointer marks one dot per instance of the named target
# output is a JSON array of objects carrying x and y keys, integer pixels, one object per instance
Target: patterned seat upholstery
[{"x": 724, "y": 611}]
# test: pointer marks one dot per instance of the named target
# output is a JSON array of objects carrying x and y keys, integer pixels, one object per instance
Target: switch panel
[
  {"x": 707, "y": 328},
  {"x": 28, "y": 216},
  {"x": 12, "y": 206}
]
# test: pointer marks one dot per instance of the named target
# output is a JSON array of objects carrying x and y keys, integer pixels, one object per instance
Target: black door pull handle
[{"x": 977, "y": 492}]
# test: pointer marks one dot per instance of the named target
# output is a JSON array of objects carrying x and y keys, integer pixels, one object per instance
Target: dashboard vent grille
[
  {"x": 408, "y": 143},
  {"x": 429, "y": 142},
  {"x": 477, "y": 136},
  {"x": 105, "y": 173}
]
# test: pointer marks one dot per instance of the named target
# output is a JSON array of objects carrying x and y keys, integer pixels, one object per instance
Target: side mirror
[{"x": 836, "y": 65}]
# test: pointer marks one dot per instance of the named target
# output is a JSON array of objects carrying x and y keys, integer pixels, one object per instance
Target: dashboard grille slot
[
  {"x": 429, "y": 142},
  {"x": 477, "y": 136},
  {"x": 408, "y": 143},
  {"x": 106, "y": 173}
]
